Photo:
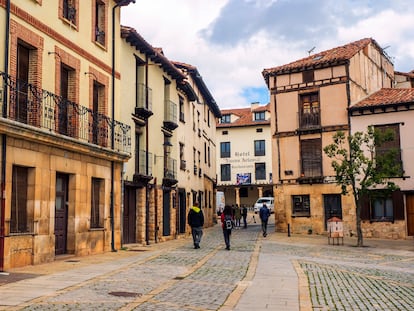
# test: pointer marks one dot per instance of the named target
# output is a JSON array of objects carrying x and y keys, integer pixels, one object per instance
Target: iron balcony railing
[
  {"x": 170, "y": 114},
  {"x": 144, "y": 98},
  {"x": 170, "y": 171},
  {"x": 142, "y": 163},
  {"x": 310, "y": 120},
  {"x": 33, "y": 106}
]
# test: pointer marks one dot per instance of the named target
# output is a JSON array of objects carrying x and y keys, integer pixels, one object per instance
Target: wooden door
[
  {"x": 61, "y": 213},
  {"x": 410, "y": 214},
  {"x": 332, "y": 207},
  {"x": 130, "y": 218}
]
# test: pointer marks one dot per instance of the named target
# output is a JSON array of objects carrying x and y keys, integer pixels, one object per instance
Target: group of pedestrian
[{"x": 230, "y": 218}]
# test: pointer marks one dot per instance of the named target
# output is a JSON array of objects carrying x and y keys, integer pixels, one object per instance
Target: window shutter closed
[
  {"x": 398, "y": 203},
  {"x": 365, "y": 212}
]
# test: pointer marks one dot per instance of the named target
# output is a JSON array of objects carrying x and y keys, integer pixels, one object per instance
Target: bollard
[{"x": 289, "y": 230}]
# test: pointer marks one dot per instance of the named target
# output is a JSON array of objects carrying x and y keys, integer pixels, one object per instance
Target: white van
[
  {"x": 220, "y": 202},
  {"x": 270, "y": 202}
]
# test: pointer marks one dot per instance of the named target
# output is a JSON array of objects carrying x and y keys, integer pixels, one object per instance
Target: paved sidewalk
[{"x": 301, "y": 272}]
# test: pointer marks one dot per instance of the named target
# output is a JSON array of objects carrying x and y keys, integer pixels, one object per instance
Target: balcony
[
  {"x": 143, "y": 109},
  {"x": 310, "y": 121},
  {"x": 170, "y": 115},
  {"x": 170, "y": 172},
  {"x": 38, "y": 108},
  {"x": 143, "y": 168}
]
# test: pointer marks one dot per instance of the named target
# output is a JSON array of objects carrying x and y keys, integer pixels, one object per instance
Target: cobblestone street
[{"x": 174, "y": 276}]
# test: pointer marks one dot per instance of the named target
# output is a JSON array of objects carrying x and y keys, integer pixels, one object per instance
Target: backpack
[{"x": 228, "y": 222}]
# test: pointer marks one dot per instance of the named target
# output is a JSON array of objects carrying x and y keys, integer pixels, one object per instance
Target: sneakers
[
  {"x": 196, "y": 246},
  {"x": 228, "y": 247}
]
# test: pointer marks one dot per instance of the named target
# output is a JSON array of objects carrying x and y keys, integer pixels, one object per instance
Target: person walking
[
  {"x": 196, "y": 222},
  {"x": 244, "y": 215},
  {"x": 227, "y": 221},
  {"x": 264, "y": 214},
  {"x": 237, "y": 216}
]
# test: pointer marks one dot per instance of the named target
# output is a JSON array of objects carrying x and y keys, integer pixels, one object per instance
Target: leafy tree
[{"x": 358, "y": 169}]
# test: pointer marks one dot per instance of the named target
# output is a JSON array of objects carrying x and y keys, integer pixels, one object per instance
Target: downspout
[
  {"x": 3, "y": 141},
  {"x": 147, "y": 207}
]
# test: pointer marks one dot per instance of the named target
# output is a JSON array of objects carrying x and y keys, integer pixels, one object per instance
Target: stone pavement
[{"x": 301, "y": 272}]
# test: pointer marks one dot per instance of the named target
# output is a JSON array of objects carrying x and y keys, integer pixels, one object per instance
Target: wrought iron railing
[
  {"x": 144, "y": 97},
  {"x": 170, "y": 171},
  {"x": 142, "y": 163},
  {"x": 33, "y": 106},
  {"x": 170, "y": 111},
  {"x": 310, "y": 120}
]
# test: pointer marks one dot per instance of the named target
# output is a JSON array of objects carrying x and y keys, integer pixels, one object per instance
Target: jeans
[
  {"x": 264, "y": 227},
  {"x": 197, "y": 233},
  {"x": 227, "y": 234}
]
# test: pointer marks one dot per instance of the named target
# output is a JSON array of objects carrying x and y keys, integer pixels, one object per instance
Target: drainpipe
[
  {"x": 147, "y": 207},
  {"x": 3, "y": 140}
]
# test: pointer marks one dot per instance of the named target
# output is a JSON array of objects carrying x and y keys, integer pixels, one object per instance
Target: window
[
  {"x": 308, "y": 76},
  {"x": 22, "y": 94},
  {"x": 208, "y": 156},
  {"x": 99, "y": 124},
  {"x": 225, "y": 118},
  {"x": 311, "y": 157},
  {"x": 259, "y": 130},
  {"x": 259, "y": 148},
  {"x": 259, "y": 116},
  {"x": 183, "y": 163},
  {"x": 260, "y": 169},
  {"x": 300, "y": 205},
  {"x": 69, "y": 11},
  {"x": 380, "y": 205},
  {"x": 100, "y": 22},
  {"x": 389, "y": 149},
  {"x": 225, "y": 172},
  {"x": 181, "y": 108},
  {"x": 225, "y": 149},
  {"x": 309, "y": 114},
  {"x": 21, "y": 218},
  {"x": 225, "y": 132},
  {"x": 97, "y": 200}
]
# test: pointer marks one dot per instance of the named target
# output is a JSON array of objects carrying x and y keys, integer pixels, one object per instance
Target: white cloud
[{"x": 253, "y": 38}]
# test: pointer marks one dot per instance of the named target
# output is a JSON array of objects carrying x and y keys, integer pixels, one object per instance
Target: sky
[{"x": 232, "y": 41}]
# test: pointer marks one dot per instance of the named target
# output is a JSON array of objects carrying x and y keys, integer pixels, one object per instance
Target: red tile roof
[
  {"x": 245, "y": 117},
  {"x": 386, "y": 97},
  {"x": 322, "y": 59}
]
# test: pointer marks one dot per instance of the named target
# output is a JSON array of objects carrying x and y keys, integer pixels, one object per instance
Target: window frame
[
  {"x": 260, "y": 167},
  {"x": 22, "y": 213},
  {"x": 260, "y": 147},
  {"x": 301, "y": 205},
  {"x": 225, "y": 149},
  {"x": 309, "y": 110},
  {"x": 225, "y": 118},
  {"x": 311, "y": 157},
  {"x": 97, "y": 203},
  {"x": 260, "y": 116},
  {"x": 390, "y": 145},
  {"x": 225, "y": 172}
]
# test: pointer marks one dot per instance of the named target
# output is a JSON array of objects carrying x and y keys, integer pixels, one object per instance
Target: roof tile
[{"x": 386, "y": 97}]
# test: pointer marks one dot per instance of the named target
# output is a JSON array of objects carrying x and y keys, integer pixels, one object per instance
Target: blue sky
[{"x": 232, "y": 41}]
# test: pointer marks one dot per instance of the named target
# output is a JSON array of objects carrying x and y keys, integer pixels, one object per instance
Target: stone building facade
[
  {"x": 310, "y": 101},
  {"x": 62, "y": 148},
  {"x": 172, "y": 115}
]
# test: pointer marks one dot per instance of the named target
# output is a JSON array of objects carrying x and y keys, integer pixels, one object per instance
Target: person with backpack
[
  {"x": 227, "y": 223},
  {"x": 264, "y": 214},
  {"x": 196, "y": 222}
]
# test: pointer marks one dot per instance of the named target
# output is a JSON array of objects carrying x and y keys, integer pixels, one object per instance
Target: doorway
[
  {"x": 332, "y": 206},
  {"x": 410, "y": 214},
  {"x": 129, "y": 217},
  {"x": 61, "y": 213}
]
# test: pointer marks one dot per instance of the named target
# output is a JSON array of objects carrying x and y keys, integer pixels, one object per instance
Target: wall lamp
[
  {"x": 92, "y": 74},
  {"x": 56, "y": 53}
]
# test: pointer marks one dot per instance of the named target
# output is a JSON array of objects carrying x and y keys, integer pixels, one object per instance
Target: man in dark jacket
[
  {"x": 196, "y": 222},
  {"x": 264, "y": 214}
]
